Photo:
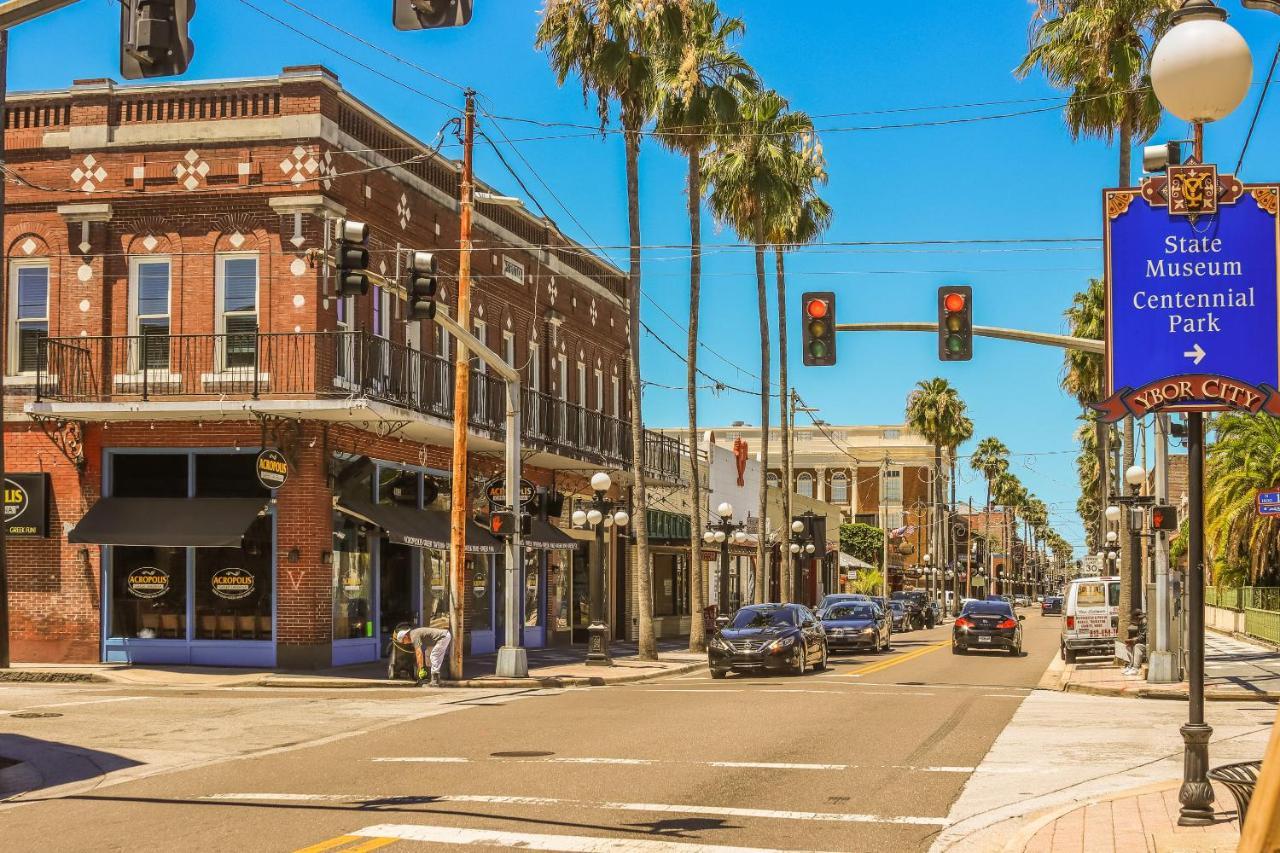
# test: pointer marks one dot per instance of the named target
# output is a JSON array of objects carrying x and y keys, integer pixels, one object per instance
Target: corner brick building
[{"x": 167, "y": 319}]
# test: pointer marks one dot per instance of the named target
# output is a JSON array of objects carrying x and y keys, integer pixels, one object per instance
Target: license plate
[{"x": 984, "y": 639}]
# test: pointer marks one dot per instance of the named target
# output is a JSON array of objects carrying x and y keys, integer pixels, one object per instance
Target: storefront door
[
  {"x": 396, "y": 599},
  {"x": 580, "y": 601}
]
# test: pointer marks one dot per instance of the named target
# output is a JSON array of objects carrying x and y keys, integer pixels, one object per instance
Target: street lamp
[
  {"x": 720, "y": 533},
  {"x": 801, "y": 544},
  {"x": 601, "y": 514},
  {"x": 927, "y": 573},
  {"x": 1200, "y": 71}
]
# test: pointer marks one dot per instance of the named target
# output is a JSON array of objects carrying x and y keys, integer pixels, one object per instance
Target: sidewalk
[
  {"x": 1235, "y": 670},
  {"x": 1140, "y": 819},
  {"x": 556, "y": 667}
]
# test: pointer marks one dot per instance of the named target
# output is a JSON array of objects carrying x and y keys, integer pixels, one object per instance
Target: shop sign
[
  {"x": 148, "y": 582},
  {"x": 496, "y": 491},
  {"x": 232, "y": 583},
  {"x": 478, "y": 585},
  {"x": 272, "y": 468},
  {"x": 26, "y": 512}
]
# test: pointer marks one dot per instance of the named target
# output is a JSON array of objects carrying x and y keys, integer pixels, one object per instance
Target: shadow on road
[{"x": 47, "y": 764}]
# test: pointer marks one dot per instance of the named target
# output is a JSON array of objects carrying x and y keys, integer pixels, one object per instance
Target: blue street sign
[
  {"x": 1268, "y": 503},
  {"x": 1193, "y": 298}
]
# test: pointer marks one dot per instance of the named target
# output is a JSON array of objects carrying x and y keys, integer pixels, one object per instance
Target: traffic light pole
[{"x": 1043, "y": 338}]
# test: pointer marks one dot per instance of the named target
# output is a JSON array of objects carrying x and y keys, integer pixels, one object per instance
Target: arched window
[
  {"x": 773, "y": 480},
  {"x": 804, "y": 484},
  {"x": 839, "y": 488}
]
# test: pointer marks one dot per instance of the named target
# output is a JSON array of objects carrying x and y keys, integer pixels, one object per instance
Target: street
[{"x": 870, "y": 754}]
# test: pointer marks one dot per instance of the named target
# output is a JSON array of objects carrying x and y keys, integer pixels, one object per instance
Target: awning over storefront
[
  {"x": 416, "y": 527},
  {"x": 547, "y": 537},
  {"x": 848, "y": 561},
  {"x": 167, "y": 522}
]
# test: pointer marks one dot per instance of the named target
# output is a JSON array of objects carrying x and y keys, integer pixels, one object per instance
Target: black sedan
[
  {"x": 768, "y": 638},
  {"x": 1051, "y": 604},
  {"x": 856, "y": 625},
  {"x": 901, "y": 619},
  {"x": 987, "y": 625}
]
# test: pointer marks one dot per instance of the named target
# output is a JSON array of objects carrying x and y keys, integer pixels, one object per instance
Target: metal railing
[
  {"x": 1260, "y": 605},
  {"x": 328, "y": 365}
]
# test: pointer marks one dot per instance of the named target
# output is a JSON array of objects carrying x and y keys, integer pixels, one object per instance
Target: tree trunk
[
  {"x": 648, "y": 648},
  {"x": 935, "y": 550},
  {"x": 786, "y": 564},
  {"x": 697, "y": 568},
  {"x": 1129, "y": 596},
  {"x": 762, "y": 549},
  {"x": 1100, "y": 450}
]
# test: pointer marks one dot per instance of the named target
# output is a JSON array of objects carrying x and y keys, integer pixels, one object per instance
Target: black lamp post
[
  {"x": 801, "y": 543},
  {"x": 602, "y": 513},
  {"x": 720, "y": 532}
]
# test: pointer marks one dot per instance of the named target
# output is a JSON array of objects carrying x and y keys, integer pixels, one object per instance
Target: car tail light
[
  {"x": 1071, "y": 622},
  {"x": 963, "y": 623},
  {"x": 1008, "y": 623}
]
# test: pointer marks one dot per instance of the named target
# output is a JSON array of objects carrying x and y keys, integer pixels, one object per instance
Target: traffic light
[
  {"x": 955, "y": 323},
  {"x": 1164, "y": 517},
  {"x": 818, "y": 311},
  {"x": 153, "y": 37},
  {"x": 352, "y": 258},
  {"x": 502, "y": 523},
  {"x": 430, "y": 14},
  {"x": 422, "y": 286}
]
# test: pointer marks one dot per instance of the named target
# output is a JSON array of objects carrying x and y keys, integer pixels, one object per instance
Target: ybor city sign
[{"x": 1191, "y": 390}]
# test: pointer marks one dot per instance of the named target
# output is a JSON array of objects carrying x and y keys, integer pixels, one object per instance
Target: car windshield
[
  {"x": 896, "y": 605},
  {"x": 851, "y": 611},
  {"x": 763, "y": 618},
  {"x": 987, "y": 608}
]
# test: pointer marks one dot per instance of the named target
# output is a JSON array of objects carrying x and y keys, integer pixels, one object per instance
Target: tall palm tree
[
  {"x": 935, "y": 411},
  {"x": 1010, "y": 494},
  {"x": 800, "y": 222},
  {"x": 990, "y": 459},
  {"x": 963, "y": 432},
  {"x": 1244, "y": 458},
  {"x": 751, "y": 180},
  {"x": 700, "y": 78},
  {"x": 610, "y": 46},
  {"x": 1084, "y": 377}
]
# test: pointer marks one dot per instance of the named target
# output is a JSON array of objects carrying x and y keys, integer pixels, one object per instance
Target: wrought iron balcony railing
[{"x": 328, "y": 365}]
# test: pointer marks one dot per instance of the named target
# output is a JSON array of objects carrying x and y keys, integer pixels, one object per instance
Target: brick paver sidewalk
[{"x": 1146, "y": 819}]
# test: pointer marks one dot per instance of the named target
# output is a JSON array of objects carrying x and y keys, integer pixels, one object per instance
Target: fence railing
[
  {"x": 1260, "y": 605},
  {"x": 328, "y": 365}
]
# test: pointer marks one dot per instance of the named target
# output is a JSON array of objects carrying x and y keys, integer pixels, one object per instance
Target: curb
[
  {"x": 1153, "y": 693},
  {"x": 1028, "y": 830},
  {"x": 484, "y": 682},
  {"x": 42, "y": 677}
]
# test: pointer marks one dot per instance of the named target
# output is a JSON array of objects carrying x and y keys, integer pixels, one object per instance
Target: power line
[{"x": 1258, "y": 110}]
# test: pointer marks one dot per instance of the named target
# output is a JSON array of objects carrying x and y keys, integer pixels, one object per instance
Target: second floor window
[
  {"x": 149, "y": 311},
  {"x": 30, "y": 316},
  {"x": 839, "y": 488},
  {"x": 238, "y": 308},
  {"x": 892, "y": 485},
  {"x": 804, "y": 485}
]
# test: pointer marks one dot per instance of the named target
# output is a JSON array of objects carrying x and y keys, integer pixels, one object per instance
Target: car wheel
[
  {"x": 957, "y": 650},
  {"x": 1016, "y": 651},
  {"x": 798, "y": 665},
  {"x": 719, "y": 673},
  {"x": 888, "y": 644},
  {"x": 822, "y": 664},
  {"x": 1068, "y": 655}
]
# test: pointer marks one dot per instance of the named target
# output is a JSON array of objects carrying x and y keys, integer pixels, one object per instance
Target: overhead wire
[{"x": 1258, "y": 110}]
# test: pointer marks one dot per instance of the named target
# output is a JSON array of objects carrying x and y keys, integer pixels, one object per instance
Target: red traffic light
[
  {"x": 953, "y": 301},
  {"x": 816, "y": 308}
]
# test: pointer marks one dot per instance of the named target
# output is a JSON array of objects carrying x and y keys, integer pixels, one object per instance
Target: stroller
[{"x": 401, "y": 660}]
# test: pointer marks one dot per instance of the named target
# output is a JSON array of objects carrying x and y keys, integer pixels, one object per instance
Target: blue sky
[{"x": 843, "y": 62}]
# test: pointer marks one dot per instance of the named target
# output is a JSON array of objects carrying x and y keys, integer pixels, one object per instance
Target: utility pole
[
  {"x": 462, "y": 398},
  {"x": 4, "y": 528},
  {"x": 884, "y": 538}
]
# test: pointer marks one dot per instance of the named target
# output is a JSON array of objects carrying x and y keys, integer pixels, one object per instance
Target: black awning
[
  {"x": 416, "y": 527},
  {"x": 168, "y": 522},
  {"x": 548, "y": 537}
]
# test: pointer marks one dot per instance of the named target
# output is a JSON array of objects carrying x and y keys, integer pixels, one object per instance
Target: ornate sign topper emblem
[{"x": 1191, "y": 189}]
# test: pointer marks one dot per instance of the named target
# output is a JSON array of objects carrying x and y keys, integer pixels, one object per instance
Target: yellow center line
[
  {"x": 371, "y": 844},
  {"x": 883, "y": 665},
  {"x": 367, "y": 843}
]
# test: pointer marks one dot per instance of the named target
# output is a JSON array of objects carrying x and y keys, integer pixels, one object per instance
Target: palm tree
[
  {"x": 990, "y": 459},
  {"x": 799, "y": 223},
  {"x": 609, "y": 44},
  {"x": 699, "y": 81},
  {"x": 935, "y": 411},
  {"x": 1084, "y": 377},
  {"x": 1010, "y": 494},
  {"x": 964, "y": 432},
  {"x": 751, "y": 180},
  {"x": 1244, "y": 458}
]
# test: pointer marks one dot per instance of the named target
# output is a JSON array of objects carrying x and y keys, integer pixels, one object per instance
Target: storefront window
[
  {"x": 228, "y": 475},
  {"x": 532, "y": 613},
  {"x": 479, "y": 605},
  {"x": 149, "y": 475},
  {"x": 149, "y": 593},
  {"x": 233, "y": 588},
  {"x": 398, "y": 487},
  {"x": 352, "y": 582},
  {"x": 435, "y": 588},
  {"x": 558, "y": 563}
]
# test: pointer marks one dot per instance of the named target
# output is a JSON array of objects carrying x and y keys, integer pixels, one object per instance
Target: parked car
[
  {"x": 1006, "y": 599},
  {"x": 836, "y": 597},
  {"x": 987, "y": 625},
  {"x": 899, "y": 616},
  {"x": 1021, "y": 601},
  {"x": 855, "y": 625},
  {"x": 1052, "y": 604},
  {"x": 1091, "y": 614},
  {"x": 768, "y": 638},
  {"x": 917, "y": 604}
]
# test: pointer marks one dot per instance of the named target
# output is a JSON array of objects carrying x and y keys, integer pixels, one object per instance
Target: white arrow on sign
[{"x": 1196, "y": 354}]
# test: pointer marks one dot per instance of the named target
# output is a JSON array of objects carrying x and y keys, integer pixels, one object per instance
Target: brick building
[{"x": 167, "y": 320}]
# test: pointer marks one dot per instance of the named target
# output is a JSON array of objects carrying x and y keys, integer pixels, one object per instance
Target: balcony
[{"x": 334, "y": 366}]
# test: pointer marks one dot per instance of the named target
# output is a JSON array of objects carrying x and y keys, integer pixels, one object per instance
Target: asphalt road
[{"x": 867, "y": 756}]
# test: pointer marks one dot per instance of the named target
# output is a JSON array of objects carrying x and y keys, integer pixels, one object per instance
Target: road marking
[
  {"x": 86, "y": 702},
  {"x": 642, "y": 762},
  {"x": 664, "y": 808},
  {"x": 689, "y": 690},
  {"x": 601, "y": 760},
  {"x": 330, "y": 843},
  {"x": 426, "y": 759},
  {"x": 531, "y": 841},
  {"x": 909, "y": 656},
  {"x": 766, "y": 765},
  {"x": 1002, "y": 696}
]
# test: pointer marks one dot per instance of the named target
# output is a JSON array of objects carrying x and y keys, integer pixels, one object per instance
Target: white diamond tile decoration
[
  {"x": 89, "y": 175},
  {"x": 191, "y": 171},
  {"x": 403, "y": 212},
  {"x": 552, "y": 290},
  {"x": 594, "y": 312},
  {"x": 236, "y": 240},
  {"x": 149, "y": 243},
  {"x": 28, "y": 246},
  {"x": 84, "y": 247},
  {"x": 382, "y": 267},
  {"x": 326, "y": 169}
]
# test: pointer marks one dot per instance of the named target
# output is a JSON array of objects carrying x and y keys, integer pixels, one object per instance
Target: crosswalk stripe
[{"x": 532, "y": 841}]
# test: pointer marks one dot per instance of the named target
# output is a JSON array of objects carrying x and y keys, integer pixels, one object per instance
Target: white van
[{"x": 1090, "y": 614}]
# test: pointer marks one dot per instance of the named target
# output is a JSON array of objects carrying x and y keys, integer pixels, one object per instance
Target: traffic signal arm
[{"x": 1042, "y": 338}]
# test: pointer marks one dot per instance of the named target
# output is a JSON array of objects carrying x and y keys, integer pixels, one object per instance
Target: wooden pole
[
  {"x": 461, "y": 400},
  {"x": 1261, "y": 831}
]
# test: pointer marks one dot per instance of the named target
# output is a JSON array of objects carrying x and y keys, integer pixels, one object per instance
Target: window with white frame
[
  {"x": 893, "y": 519},
  {"x": 893, "y": 433},
  {"x": 617, "y": 397},
  {"x": 29, "y": 315},
  {"x": 535, "y": 368},
  {"x": 582, "y": 385},
  {"x": 237, "y": 286},
  {"x": 773, "y": 480},
  {"x": 599, "y": 382},
  {"x": 345, "y": 310},
  {"x": 839, "y": 487},
  {"x": 893, "y": 485},
  {"x": 804, "y": 484},
  {"x": 149, "y": 280},
  {"x": 509, "y": 348}
]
